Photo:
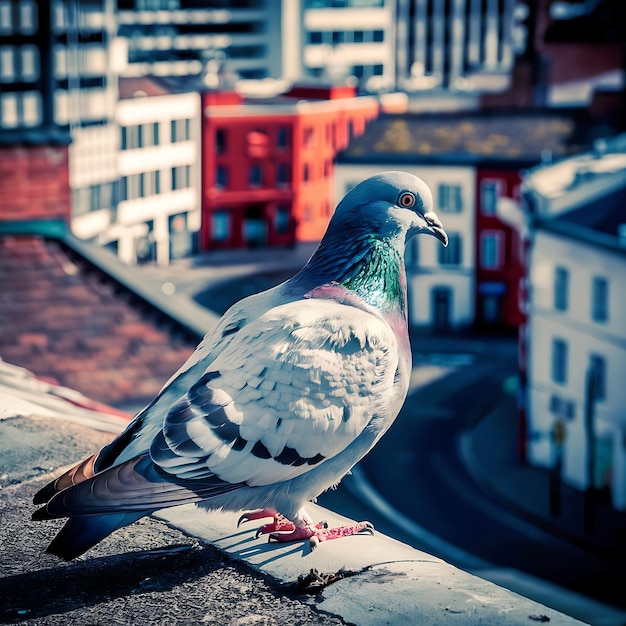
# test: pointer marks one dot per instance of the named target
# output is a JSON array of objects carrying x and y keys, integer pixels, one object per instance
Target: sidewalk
[{"x": 526, "y": 489}]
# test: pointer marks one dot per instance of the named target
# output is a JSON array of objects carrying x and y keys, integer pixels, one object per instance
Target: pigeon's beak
[{"x": 436, "y": 227}]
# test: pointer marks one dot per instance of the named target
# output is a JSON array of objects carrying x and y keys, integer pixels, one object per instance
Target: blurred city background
[{"x": 161, "y": 155}]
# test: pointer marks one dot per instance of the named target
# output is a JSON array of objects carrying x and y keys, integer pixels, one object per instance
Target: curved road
[{"x": 417, "y": 468}]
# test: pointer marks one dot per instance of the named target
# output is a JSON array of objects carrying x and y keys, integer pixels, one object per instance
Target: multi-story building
[
  {"x": 268, "y": 163},
  {"x": 171, "y": 37},
  {"x": 457, "y": 46},
  {"x": 576, "y": 330},
  {"x": 57, "y": 61},
  {"x": 58, "y": 65},
  {"x": 350, "y": 38},
  {"x": 472, "y": 164},
  {"x": 158, "y": 211}
]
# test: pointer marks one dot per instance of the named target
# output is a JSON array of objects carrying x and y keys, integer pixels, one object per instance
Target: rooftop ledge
[{"x": 377, "y": 580}]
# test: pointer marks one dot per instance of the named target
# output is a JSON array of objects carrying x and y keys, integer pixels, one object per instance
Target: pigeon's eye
[{"x": 406, "y": 199}]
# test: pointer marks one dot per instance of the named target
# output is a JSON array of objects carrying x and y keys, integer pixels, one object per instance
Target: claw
[{"x": 254, "y": 515}]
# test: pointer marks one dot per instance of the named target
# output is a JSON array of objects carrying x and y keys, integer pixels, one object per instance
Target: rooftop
[
  {"x": 72, "y": 313},
  {"x": 583, "y": 196},
  {"x": 468, "y": 137}
]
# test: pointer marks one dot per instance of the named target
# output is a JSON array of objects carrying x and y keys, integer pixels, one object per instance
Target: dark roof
[
  {"x": 464, "y": 138},
  {"x": 596, "y": 222},
  {"x": 64, "y": 318},
  {"x": 604, "y": 216}
]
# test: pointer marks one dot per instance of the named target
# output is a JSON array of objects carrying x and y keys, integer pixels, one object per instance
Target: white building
[
  {"x": 440, "y": 280},
  {"x": 170, "y": 37},
  {"x": 576, "y": 321},
  {"x": 464, "y": 47},
  {"x": 350, "y": 38},
  {"x": 158, "y": 169}
]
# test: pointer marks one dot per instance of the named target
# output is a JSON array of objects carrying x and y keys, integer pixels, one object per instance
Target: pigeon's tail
[{"x": 83, "y": 532}]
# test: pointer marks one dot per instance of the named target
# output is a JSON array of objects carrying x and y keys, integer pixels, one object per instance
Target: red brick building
[{"x": 268, "y": 163}]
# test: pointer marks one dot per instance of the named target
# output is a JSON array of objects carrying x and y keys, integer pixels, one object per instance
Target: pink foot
[
  {"x": 302, "y": 527},
  {"x": 321, "y": 532}
]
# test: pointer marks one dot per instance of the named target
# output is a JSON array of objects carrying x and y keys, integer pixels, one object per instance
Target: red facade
[
  {"x": 499, "y": 262},
  {"x": 267, "y": 168}
]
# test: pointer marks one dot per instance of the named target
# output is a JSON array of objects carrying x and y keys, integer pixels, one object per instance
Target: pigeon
[{"x": 290, "y": 389}]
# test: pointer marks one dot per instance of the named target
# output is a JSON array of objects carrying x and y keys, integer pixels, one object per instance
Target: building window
[
  {"x": 308, "y": 136},
  {"x": 80, "y": 201},
  {"x": 220, "y": 226},
  {"x": 358, "y": 36},
  {"x": 599, "y": 299},
  {"x": 559, "y": 361},
  {"x": 337, "y": 37},
  {"x": 6, "y": 18},
  {"x": 281, "y": 223},
  {"x": 255, "y": 175},
  {"x": 108, "y": 195},
  {"x": 598, "y": 366},
  {"x": 282, "y": 137},
  {"x": 28, "y": 17},
  {"x": 221, "y": 177},
  {"x": 378, "y": 35},
  {"x": 453, "y": 254},
  {"x": 94, "y": 198},
  {"x": 491, "y": 253},
  {"x": 7, "y": 64},
  {"x": 132, "y": 187},
  {"x": 561, "y": 288},
  {"x": 220, "y": 141},
  {"x": 149, "y": 135},
  {"x": 315, "y": 37},
  {"x": 450, "y": 198},
  {"x": 180, "y": 130},
  {"x": 489, "y": 194},
  {"x": 181, "y": 177},
  {"x": 305, "y": 172},
  {"x": 152, "y": 183},
  {"x": 282, "y": 175},
  {"x": 131, "y": 137}
]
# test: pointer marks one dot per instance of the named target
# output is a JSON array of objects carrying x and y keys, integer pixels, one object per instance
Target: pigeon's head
[{"x": 393, "y": 200}]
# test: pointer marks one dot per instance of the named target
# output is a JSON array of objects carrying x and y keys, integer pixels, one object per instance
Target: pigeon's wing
[
  {"x": 293, "y": 389},
  {"x": 290, "y": 391}
]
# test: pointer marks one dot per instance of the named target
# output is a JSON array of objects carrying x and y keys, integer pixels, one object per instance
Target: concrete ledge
[
  {"x": 392, "y": 583},
  {"x": 381, "y": 580}
]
